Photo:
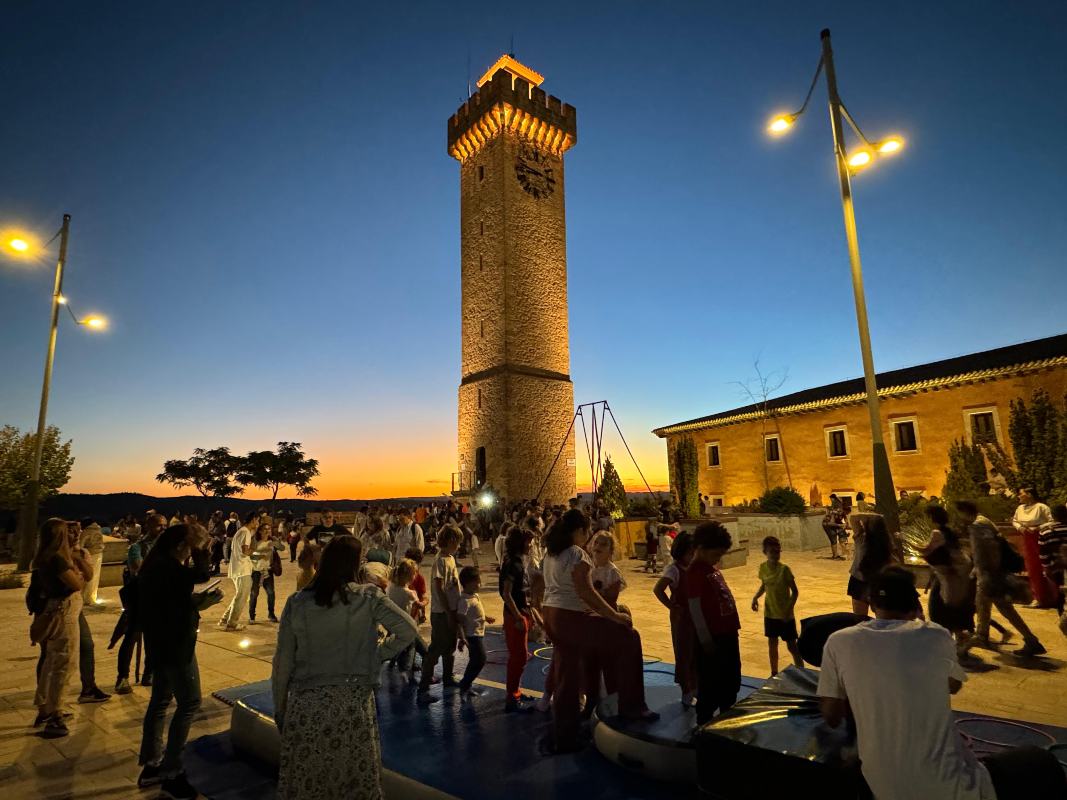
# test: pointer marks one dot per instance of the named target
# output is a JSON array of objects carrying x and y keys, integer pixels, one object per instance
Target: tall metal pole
[
  {"x": 28, "y": 517},
  {"x": 885, "y": 492}
]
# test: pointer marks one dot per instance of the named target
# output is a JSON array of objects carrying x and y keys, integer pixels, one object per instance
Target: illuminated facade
[{"x": 516, "y": 400}]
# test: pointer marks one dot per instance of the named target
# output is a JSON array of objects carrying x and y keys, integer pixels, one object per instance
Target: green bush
[
  {"x": 646, "y": 507},
  {"x": 781, "y": 500}
]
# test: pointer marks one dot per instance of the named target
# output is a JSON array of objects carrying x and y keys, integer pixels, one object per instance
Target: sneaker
[
  {"x": 979, "y": 641},
  {"x": 237, "y": 626},
  {"x": 55, "y": 727},
  {"x": 513, "y": 706},
  {"x": 543, "y": 704},
  {"x": 273, "y": 619},
  {"x": 122, "y": 686},
  {"x": 146, "y": 679},
  {"x": 149, "y": 776},
  {"x": 689, "y": 700},
  {"x": 178, "y": 788},
  {"x": 42, "y": 717},
  {"x": 94, "y": 695},
  {"x": 1030, "y": 648},
  {"x": 1006, "y": 637},
  {"x": 251, "y": 621}
]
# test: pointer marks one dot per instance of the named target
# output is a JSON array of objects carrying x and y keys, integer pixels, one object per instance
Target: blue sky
[{"x": 263, "y": 205}]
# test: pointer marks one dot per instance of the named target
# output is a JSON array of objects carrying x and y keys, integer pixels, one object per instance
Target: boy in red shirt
[{"x": 715, "y": 619}]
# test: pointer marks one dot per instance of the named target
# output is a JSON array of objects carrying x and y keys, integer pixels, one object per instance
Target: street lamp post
[
  {"x": 28, "y": 517},
  {"x": 884, "y": 488}
]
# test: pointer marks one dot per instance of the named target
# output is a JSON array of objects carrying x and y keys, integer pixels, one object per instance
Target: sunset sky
[{"x": 263, "y": 205}]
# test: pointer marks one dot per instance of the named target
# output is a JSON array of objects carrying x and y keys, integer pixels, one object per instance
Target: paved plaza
[{"x": 99, "y": 758}]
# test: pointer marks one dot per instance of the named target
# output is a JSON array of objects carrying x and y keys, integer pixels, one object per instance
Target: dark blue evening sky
[{"x": 263, "y": 205}]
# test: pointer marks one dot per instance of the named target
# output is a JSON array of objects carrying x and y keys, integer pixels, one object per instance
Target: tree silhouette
[
  {"x": 210, "y": 472},
  {"x": 611, "y": 493},
  {"x": 287, "y": 466}
]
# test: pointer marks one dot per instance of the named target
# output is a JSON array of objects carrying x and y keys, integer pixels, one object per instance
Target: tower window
[
  {"x": 481, "y": 228},
  {"x": 479, "y": 397},
  {"x": 481, "y": 328},
  {"x": 481, "y": 265},
  {"x": 481, "y": 173}
]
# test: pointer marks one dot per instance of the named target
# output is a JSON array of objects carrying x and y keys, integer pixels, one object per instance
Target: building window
[
  {"x": 713, "y": 455},
  {"x": 772, "y": 448},
  {"x": 837, "y": 442},
  {"x": 983, "y": 427},
  {"x": 847, "y": 498},
  {"x": 905, "y": 435},
  {"x": 481, "y": 173},
  {"x": 717, "y": 500}
]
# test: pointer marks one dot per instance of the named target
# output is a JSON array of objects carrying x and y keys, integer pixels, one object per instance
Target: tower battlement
[{"x": 510, "y": 102}]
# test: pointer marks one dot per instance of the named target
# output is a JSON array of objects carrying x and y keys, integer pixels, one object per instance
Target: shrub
[
  {"x": 645, "y": 507},
  {"x": 781, "y": 500}
]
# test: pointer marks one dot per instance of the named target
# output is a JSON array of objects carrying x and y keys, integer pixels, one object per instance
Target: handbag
[
  {"x": 275, "y": 563},
  {"x": 1010, "y": 560}
]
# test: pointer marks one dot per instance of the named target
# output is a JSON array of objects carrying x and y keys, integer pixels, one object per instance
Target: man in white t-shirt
[
  {"x": 896, "y": 674},
  {"x": 408, "y": 535},
  {"x": 240, "y": 572}
]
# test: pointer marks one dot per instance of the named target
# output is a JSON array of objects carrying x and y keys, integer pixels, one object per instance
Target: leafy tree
[
  {"x": 781, "y": 500},
  {"x": 1038, "y": 435},
  {"x": 966, "y": 473},
  {"x": 611, "y": 493},
  {"x": 16, "y": 464},
  {"x": 210, "y": 472},
  {"x": 685, "y": 476},
  {"x": 287, "y": 466}
]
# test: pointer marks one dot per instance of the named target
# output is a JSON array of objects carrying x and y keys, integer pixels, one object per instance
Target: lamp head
[
  {"x": 890, "y": 145},
  {"x": 95, "y": 321},
  {"x": 860, "y": 159},
  {"x": 781, "y": 124}
]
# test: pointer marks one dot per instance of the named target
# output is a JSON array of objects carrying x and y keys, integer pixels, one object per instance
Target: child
[
  {"x": 519, "y": 614},
  {"x": 776, "y": 581},
  {"x": 444, "y": 597},
  {"x": 606, "y": 577},
  {"x": 651, "y": 544},
  {"x": 418, "y": 583},
  {"x": 471, "y": 620},
  {"x": 401, "y": 593},
  {"x": 715, "y": 622},
  {"x": 682, "y": 634}
]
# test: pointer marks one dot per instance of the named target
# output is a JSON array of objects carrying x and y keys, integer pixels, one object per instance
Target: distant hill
[{"x": 107, "y": 508}]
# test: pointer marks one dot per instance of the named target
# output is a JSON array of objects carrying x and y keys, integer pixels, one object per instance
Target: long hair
[
  {"x": 939, "y": 517},
  {"x": 878, "y": 550},
  {"x": 50, "y": 540},
  {"x": 166, "y": 545},
  {"x": 515, "y": 543},
  {"x": 561, "y": 536},
  {"x": 338, "y": 567}
]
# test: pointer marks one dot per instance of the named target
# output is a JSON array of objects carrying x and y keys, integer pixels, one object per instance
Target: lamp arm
[
  {"x": 854, "y": 126},
  {"x": 814, "y": 80}
]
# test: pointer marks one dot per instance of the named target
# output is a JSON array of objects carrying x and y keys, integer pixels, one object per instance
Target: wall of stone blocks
[{"x": 940, "y": 419}]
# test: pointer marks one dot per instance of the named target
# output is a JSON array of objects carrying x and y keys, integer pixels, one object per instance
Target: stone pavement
[{"x": 99, "y": 758}]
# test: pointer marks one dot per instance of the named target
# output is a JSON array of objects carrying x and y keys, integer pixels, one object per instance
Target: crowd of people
[{"x": 361, "y": 597}]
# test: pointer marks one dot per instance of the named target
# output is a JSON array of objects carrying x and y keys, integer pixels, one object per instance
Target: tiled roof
[{"x": 1015, "y": 359}]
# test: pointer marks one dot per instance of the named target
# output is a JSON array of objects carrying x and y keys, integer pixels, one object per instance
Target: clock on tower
[{"x": 516, "y": 400}]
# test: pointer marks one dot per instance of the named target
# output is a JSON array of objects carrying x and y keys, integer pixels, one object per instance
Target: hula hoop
[
  {"x": 1000, "y": 745},
  {"x": 539, "y": 650},
  {"x": 1055, "y": 750},
  {"x": 660, "y": 672},
  {"x": 654, "y": 660}
]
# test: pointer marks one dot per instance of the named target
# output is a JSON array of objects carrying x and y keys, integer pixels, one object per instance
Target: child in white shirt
[
  {"x": 607, "y": 578},
  {"x": 401, "y": 593},
  {"x": 471, "y": 619}
]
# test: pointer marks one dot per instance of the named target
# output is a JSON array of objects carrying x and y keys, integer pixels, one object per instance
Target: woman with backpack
[{"x": 54, "y": 597}]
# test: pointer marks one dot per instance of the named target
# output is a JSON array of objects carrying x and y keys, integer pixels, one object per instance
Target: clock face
[{"x": 534, "y": 171}]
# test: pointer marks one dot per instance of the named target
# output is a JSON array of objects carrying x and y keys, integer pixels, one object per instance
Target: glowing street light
[
  {"x": 781, "y": 124},
  {"x": 847, "y": 165},
  {"x": 26, "y": 246}
]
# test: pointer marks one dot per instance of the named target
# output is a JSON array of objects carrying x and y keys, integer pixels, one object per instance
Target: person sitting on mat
[{"x": 895, "y": 674}]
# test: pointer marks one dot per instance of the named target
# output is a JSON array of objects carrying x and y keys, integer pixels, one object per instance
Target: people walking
[
  {"x": 264, "y": 563},
  {"x": 329, "y": 697},
  {"x": 154, "y": 525},
  {"x": 240, "y": 573}
]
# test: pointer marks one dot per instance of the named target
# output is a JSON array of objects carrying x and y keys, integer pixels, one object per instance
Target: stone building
[
  {"x": 822, "y": 436},
  {"x": 516, "y": 400}
]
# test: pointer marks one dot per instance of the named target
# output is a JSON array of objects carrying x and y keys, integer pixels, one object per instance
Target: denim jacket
[{"x": 319, "y": 646}]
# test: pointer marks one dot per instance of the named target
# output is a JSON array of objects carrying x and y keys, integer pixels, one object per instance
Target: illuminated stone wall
[
  {"x": 516, "y": 398},
  {"x": 939, "y": 418}
]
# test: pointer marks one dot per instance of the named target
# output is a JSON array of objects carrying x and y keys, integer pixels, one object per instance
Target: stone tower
[{"x": 516, "y": 400}]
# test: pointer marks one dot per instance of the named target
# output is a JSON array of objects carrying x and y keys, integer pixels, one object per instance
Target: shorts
[
  {"x": 857, "y": 589},
  {"x": 784, "y": 629},
  {"x": 835, "y": 535}
]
